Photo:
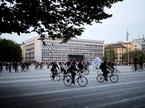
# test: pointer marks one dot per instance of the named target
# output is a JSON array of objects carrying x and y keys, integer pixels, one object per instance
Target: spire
[{"x": 127, "y": 35}]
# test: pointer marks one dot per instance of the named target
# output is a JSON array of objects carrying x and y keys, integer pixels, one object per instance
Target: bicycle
[
  {"x": 111, "y": 76},
  {"x": 85, "y": 71},
  {"x": 63, "y": 74},
  {"x": 138, "y": 68},
  {"x": 81, "y": 80}
]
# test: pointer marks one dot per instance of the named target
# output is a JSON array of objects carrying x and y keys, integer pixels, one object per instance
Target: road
[{"x": 34, "y": 89}]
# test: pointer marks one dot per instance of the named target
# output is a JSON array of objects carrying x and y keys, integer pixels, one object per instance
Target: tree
[
  {"x": 110, "y": 54},
  {"x": 132, "y": 54},
  {"x": 10, "y": 51},
  {"x": 54, "y": 18}
]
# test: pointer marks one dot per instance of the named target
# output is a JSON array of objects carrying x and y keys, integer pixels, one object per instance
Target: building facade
[
  {"x": 119, "y": 49},
  {"x": 122, "y": 47},
  {"x": 54, "y": 50},
  {"x": 140, "y": 43}
]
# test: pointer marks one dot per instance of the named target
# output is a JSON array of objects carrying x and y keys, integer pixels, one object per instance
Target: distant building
[
  {"x": 53, "y": 50},
  {"x": 119, "y": 48},
  {"x": 122, "y": 47},
  {"x": 140, "y": 43}
]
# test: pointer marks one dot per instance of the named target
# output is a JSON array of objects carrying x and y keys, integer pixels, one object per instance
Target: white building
[
  {"x": 140, "y": 43},
  {"x": 54, "y": 50}
]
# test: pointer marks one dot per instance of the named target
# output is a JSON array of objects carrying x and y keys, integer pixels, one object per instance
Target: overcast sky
[{"x": 128, "y": 15}]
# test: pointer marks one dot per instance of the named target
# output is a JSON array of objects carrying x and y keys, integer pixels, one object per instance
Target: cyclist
[
  {"x": 54, "y": 69},
  {"x": 62, "y": 68},
  {"x": 104, "y": 68},
  {"x": 72, "y": 70},
  {"x": 111, "y": 65},
  {"x": 80, "y": 66}
]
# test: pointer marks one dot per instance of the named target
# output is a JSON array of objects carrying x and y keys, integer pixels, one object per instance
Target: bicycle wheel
[
  {"x": 140, "y": 69},
  {"x": 86, "y": 72},
  {"x": 82, "y": 81},
  {"x": 114, "y": 78},
  {"x": 67, "y": 80},
  {"x": 100, "y": 78},
  {"x": 132, "y": 69}
]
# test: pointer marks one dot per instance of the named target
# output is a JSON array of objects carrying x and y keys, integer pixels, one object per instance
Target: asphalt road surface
[{"x": 35, "y": 89}]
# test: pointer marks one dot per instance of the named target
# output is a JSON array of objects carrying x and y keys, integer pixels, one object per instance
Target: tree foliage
[
  {"x": 55, "y": 18},
  {"x": 110, "y": 54},
  {"x": 10, "y": 51},
  {"x": 132, "y": 54}
]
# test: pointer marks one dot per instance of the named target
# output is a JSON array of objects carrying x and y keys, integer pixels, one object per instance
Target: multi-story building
[
  {"x": 23, "y": 52},
  {"x": 122, "y": 47},
  {"x": 119, "y": 49},
  {"x": 140, "y": 43},
  {"x": 131, "y": 46},
  {"x": 54, "y": 50}
]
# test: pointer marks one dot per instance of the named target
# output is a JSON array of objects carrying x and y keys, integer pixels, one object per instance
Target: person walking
[
  {"x": 140, "y": 62},
  {"x": 135, "y": 62}
]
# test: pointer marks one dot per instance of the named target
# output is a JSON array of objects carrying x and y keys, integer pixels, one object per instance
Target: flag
[{"x": 127, "y": 35}]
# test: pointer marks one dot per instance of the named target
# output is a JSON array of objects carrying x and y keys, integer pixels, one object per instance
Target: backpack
[{"x": 101, "y": 66}]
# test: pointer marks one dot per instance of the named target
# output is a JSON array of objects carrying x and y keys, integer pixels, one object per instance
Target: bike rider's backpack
[{"x": 101, "y": 66}]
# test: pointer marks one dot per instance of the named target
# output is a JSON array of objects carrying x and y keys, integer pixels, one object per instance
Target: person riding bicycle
[
  {"x": 62, "y": 68},
  {"x": 54, "y": 69},
  {"x": 111, "y": 65},
  {"x": 104, "y": 68},
  {"x": 72, "y": 70},
  {"x": 80, "y": 66}
]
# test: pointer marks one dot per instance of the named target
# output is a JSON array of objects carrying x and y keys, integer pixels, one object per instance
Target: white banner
[{"x": 96, "y": 62}]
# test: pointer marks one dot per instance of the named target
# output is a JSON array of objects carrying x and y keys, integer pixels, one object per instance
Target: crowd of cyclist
[
  {"x": 69, "y": 67},
  {"x": 107, "y": 67}
]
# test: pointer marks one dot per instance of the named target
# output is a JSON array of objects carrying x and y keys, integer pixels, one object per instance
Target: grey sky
[{"x": 127, "y": 15}]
